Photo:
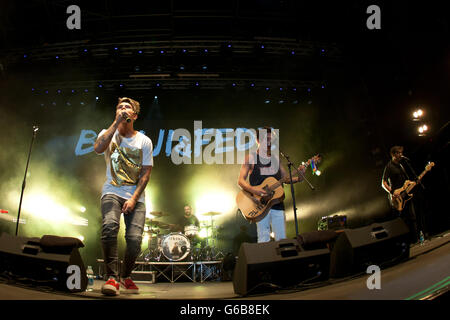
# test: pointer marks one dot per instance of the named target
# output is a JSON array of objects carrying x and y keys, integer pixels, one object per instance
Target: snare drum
[
  {"x": 175, "y": 246},
  {"x": 191, "y": 231}
]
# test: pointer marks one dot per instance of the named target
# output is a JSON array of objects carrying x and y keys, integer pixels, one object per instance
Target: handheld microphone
[
  {"x": 403, "y": 157},
  {"x": 127, "y": 118}
]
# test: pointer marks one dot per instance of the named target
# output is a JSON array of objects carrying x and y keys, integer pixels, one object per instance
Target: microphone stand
[
  {"x": 413, "y": 172},
  {"x": 290, "y": 165},
  {"x": 35, "y": 129}
]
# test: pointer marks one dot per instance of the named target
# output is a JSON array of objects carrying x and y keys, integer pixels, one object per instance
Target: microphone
[
  {"x": 127, "y": 118},
  {"x": 403, "y": 157}
]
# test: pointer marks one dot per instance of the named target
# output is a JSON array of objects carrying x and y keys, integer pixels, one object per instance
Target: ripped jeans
[{"x": 111, "y": 206}]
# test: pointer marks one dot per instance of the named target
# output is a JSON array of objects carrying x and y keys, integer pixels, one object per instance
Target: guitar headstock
[
  {"x": 429, "y": 166},
  {"x": 315, "y": 159}
]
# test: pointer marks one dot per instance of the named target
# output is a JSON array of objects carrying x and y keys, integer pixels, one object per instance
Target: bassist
[{"x": 394, "y": 176}]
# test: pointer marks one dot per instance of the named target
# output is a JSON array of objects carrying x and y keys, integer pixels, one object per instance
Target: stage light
[
  {"x": 229, "y": 46},
  {"x": 181, "y": 67},
  {"x": 323, "y": 87},
  {"x": 203, "y": 233},
  {"x": 295, "y": 102},
  {"x": 156, "y": 97},
  {"x": 145, "y": 238},
  {"x": 32, "y": 89},
  {"x": 121, "y": 85},
  {"x": 205, "y": 67},
  {"x": 96, "y": 98},
  {"x": 44, "y": 207},
  {"x": 54, "y": 103},
  {"x": 81, "y": 238},
  {"x": 417, "y": 114},
  {"x": 57, "y": 57},
  {"x": 267, "y": 89},
  {"x": 59, "y": 91},
  {"x": 140, "y": 52},
  {"x": 281, "y": 89},
  {"x": 197, "y": 84},
  {"x": 309, "y": 90},
  {"x": 206, "y": 50},
  {"x": 162, "y": 52},
  {"x": 281, "y": 101},
  {"x": 267, "y": 101},
  {"x": 184, "y": 50},
  {"x": 100, "y": 85},
  {"x": 292, "y": 52},
  {"x": 158, "y": 84},
  {"x": 46, "y": 91},
  {"x": 25, "y": 56},
  {"x": 115, "y": 48},
  {"x": 82, "y": 103},
  {"x": 318, "y": 172},
  {"x": 425, "y": 127},
  {"x": 294, "y": 89},
  {"x": 252, "y": 84},
  {"x": 145, "y": 228},
  {"x": 233, "y": 84},
  {"x": 86, "y": 90},
  {"x": 82, "y": 209},
  {"x": 68, "y": 104},
  {"x": 262, "y": 46}
]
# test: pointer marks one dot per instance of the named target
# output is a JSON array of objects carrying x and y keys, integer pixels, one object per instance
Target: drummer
[{"x": 189, "y": 218}]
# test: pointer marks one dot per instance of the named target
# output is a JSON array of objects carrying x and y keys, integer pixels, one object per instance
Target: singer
[
  {"x": 256, "y": 171},
  {"x": 129, "y": 162},
  {"x": 394, "y": 176}
]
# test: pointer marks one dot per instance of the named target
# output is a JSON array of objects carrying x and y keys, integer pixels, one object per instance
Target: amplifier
[{"x": 336, "y": 222}]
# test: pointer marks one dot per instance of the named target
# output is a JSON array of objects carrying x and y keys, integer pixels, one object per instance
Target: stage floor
[{"x": 427, "y": 271}]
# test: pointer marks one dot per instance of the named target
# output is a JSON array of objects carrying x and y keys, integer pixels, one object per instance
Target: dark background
[{"x": 348, "y": 93}]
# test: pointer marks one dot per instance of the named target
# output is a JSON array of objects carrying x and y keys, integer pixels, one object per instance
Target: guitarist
[
  {"x": 254, "y": 169},
  {"x": 394, "y": 176}
]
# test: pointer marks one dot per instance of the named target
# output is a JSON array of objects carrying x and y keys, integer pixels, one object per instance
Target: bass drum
[{"x": 175, "y": 246}]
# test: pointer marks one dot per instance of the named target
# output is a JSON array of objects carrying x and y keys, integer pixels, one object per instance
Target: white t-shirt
[{"x": 124, "y": 164}]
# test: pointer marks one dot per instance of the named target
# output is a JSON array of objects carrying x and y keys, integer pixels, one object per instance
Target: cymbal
[
  {"x": 212, "y": 213},
  {"x": 158, "y": 224},
  {"x": 159, "y": 214}
]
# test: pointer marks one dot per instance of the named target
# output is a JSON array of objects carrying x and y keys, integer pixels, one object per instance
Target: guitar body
[
  {"x": 254, "y": 207},
  {"x": 405, "y": 195}
]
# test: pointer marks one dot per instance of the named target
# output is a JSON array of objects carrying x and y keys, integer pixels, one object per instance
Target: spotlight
[
  {"x": 140, "y": 52},
  {"x": 82, "y": 209},
  {"x": 96, "y": 98},
  {"x": 73, "y": 90},
  {"x": 281, "y": 89},
  {"x": 162, "y": 52},
  {"x": 57, "y": 57},
  {"x": 318, "y": 172},
  {"x": 267, "y": 101},
  {"x": 267, "y": 89},
  {"x": 156, "y": 97},
  {"x": 206, "y": 50},
  {"x": 293, "y": 52},
  {"x": 417, "y": 114},
  {"x": 233, "y": 84},
  {"x": 425, "y": 127},
  {"x": 281, "y": 101},
  {"x": 59, "y": 91},
  {"x": 205, "y": 67},
  {"x": 184, "y": 50},
  {"x": 86, "y": 90},
  {"x": 182, "y": 67}
]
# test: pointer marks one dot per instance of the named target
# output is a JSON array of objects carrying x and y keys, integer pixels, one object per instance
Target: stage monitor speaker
[
  {"x": 263, "y": 267},
  {"x": 380, "y": 244},
  {"x": 28, "y": 259}
]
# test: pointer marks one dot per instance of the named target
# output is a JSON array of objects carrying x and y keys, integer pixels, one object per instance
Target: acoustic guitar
[{"x": 254, "y": 207}]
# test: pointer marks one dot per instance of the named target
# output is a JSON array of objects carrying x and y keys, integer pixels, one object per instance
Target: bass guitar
[
  {"x": 405, "y": 192},
  {"x": 254, "y": 207}
]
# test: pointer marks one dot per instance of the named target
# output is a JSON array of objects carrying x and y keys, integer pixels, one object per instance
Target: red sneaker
[
  {"x": 111, "y": 287},
  {"x": 129, "y": 285}
]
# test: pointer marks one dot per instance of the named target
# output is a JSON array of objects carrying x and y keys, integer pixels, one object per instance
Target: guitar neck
[
  {"x": 422, "y": 175},
  {"x": 285, "y": 179}
]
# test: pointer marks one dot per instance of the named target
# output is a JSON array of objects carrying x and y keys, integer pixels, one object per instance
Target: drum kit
[{"x": 168, "y": 244}]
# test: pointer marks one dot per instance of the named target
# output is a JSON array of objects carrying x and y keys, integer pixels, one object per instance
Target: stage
[{"x": 424, "y": 276}]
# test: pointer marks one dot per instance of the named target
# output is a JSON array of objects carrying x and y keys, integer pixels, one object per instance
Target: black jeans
[{"x": 111, "y": 206}]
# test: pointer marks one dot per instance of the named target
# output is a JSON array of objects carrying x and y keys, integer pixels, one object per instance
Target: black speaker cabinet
[
  {"x": 25, "y": 258},
  {"x": 380, "y": 244},
  {"x": 262, "y": 267}
]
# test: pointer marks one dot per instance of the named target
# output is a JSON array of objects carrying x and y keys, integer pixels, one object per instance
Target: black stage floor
[{"x": 425, "y": 274}]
